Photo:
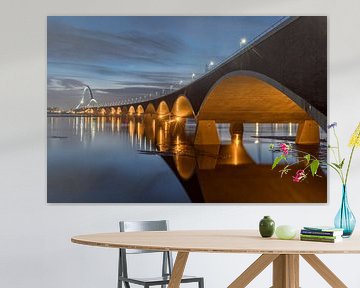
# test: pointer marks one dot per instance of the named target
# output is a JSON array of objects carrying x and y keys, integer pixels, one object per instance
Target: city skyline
[{"x": 124, "y": 57}]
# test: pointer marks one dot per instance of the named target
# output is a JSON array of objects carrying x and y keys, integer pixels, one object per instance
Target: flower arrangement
[
  {"x": 344, "y": 219},
  {"x": 292, "y": 156}
]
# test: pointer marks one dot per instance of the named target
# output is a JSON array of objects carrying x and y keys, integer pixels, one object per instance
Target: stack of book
[{"x": 321, "y": 234}]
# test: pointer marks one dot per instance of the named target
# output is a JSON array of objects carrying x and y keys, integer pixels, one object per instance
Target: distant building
[{"x": 53, "y": 110}]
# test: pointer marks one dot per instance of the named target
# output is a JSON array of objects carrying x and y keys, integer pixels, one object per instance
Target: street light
[
  {"x": 208, "y": 66},
  {"x": 243, "y": 41},
  {"x": 193, "y": 76}
]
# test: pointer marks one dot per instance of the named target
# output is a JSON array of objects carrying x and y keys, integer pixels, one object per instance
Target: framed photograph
[{"x": 157, "y": 109}]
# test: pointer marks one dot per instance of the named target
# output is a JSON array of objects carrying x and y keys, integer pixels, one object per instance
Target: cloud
[
  {"x": 122, "y": 57},
  {"x": 111, "y": 75},
  {"x": 64, "y": 84},
  {"x": 66, "y": 42},
  {"x": 162, "y": 77}
]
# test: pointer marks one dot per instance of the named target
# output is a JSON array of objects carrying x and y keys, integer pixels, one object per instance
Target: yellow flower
[{"x": 355, "y": 138}]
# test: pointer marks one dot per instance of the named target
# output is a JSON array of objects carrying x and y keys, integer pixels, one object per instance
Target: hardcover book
[
  {"x": 321, "y": 233},
  {"x": 326, "y": 240}
]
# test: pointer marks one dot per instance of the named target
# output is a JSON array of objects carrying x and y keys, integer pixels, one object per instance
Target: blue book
[{"x": 322, "y": 231}]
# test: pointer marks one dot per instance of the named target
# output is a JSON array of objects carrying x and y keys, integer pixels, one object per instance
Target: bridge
[{"x": 279, "y": 77}]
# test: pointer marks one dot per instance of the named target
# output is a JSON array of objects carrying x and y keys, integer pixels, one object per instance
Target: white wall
[{"x": 35, "y": 248}]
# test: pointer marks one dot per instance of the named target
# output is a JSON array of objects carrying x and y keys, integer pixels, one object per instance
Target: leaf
[
  {"x": 277, "y": 161},
  {"x": 339, "y": 166},
  {"x": 314, "y": 167},
  {"x": 307, "y": 157},
  {"x": 336, "y": 165},
  {"x": 342, "y": 163}
]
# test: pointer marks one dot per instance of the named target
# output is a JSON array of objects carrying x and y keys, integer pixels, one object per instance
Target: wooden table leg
[
  {"x": 286, "y": 271},
  {"x": 324, "y": 271},
  {"x": 178, "y": 269},
  {"x": 253, "y": 270}
]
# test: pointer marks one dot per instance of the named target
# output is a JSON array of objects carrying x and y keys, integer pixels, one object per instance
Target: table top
[{"x": 217, "y": 241}]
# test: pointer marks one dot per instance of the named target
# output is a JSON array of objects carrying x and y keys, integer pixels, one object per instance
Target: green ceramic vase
[{"x": 267, "y": 227}]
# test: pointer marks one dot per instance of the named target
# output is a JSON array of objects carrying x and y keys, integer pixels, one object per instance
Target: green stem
[
  {"x": 340, "y": 159},
  {"x": 333, "y": 152},
  {"x": 296, "y": 150},
  {"x": 338, "y": 145},
  {"x": 348, "y": 167},
  {"x": 337, "y": 171},
  {"x": 299, "y": 161}
]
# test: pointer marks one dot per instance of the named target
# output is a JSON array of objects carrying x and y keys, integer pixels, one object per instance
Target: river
[{"x": 144, "y": 159}]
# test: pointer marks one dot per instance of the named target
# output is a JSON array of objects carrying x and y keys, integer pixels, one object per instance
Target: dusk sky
[{"x": 121, "y": 57}]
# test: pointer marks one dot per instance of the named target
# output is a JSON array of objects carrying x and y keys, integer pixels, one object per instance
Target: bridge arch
[
  {"x": 118, "y": 110},
  {"x": 124, "y": 110},
  {"x": 163, "y": 108},
  {"x": 182, "y": 107},
  {"x": 248, "y": 96},
  {"x": 131, "y": 110},
  {"x": 103, "y": 111},
  {"x": 139, "y": 110},
  {"x": 150, "y": 109},
  {"x": 89, "y": 111},
  {"x": 92, "y": 100}
]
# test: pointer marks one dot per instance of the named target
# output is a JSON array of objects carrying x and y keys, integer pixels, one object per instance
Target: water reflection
[{"x": 112, "y": 158}]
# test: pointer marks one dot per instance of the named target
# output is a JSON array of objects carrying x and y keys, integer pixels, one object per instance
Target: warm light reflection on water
[{"x": 147, "y": 159}]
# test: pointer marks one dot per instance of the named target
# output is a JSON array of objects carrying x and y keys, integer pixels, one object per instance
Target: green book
[
  {"x": 319, "y": 236},
  {"x": 325, "y": 240}
]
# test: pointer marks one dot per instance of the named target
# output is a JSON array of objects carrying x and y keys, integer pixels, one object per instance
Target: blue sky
[{"x": 123, "y": 57}]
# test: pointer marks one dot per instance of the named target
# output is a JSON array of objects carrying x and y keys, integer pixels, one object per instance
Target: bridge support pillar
[
  {"x": 308, "y": 133},
  {"x": 207, "y": 144},
  {"x": 206, "y": 133},
  {"x": 236, "y": 128},
  {"x": 236, "y": 131}
]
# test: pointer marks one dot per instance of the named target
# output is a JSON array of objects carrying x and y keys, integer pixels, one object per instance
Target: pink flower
[
  {"x": 284, "y": 148},
  {"x": 299, "y": 176}
]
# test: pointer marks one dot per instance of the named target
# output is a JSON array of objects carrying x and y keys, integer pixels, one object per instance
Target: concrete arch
[
  {"x": 102, "y": 111},
  {"x": 163, "y": 108},
  {"x": 183, "y": 108},
  {"x": 139, "y": 110},
  {"x": 124, "y": 110},
  {"x": 118, "y": 110},
  {"x": 150, "y": 109},
  {"x": 131, "y": 110},
  {"x": 112, "y": 111},
  {"x": 248, "y": 96}
]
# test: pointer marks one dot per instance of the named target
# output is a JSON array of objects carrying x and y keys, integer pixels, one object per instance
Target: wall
[{"x": 35, "y": 248}]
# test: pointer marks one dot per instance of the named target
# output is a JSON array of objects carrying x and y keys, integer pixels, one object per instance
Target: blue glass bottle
[{"x": 345, "y": 219}]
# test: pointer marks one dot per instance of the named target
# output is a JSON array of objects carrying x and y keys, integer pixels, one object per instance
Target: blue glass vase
[{"x": 345, "y": 219}]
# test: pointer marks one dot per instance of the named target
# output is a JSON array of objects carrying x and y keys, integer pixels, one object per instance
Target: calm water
[{"x": 149, "y": 160}]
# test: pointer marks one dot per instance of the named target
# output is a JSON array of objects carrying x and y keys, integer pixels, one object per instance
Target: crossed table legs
[{"x": 285, "y": 270}]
